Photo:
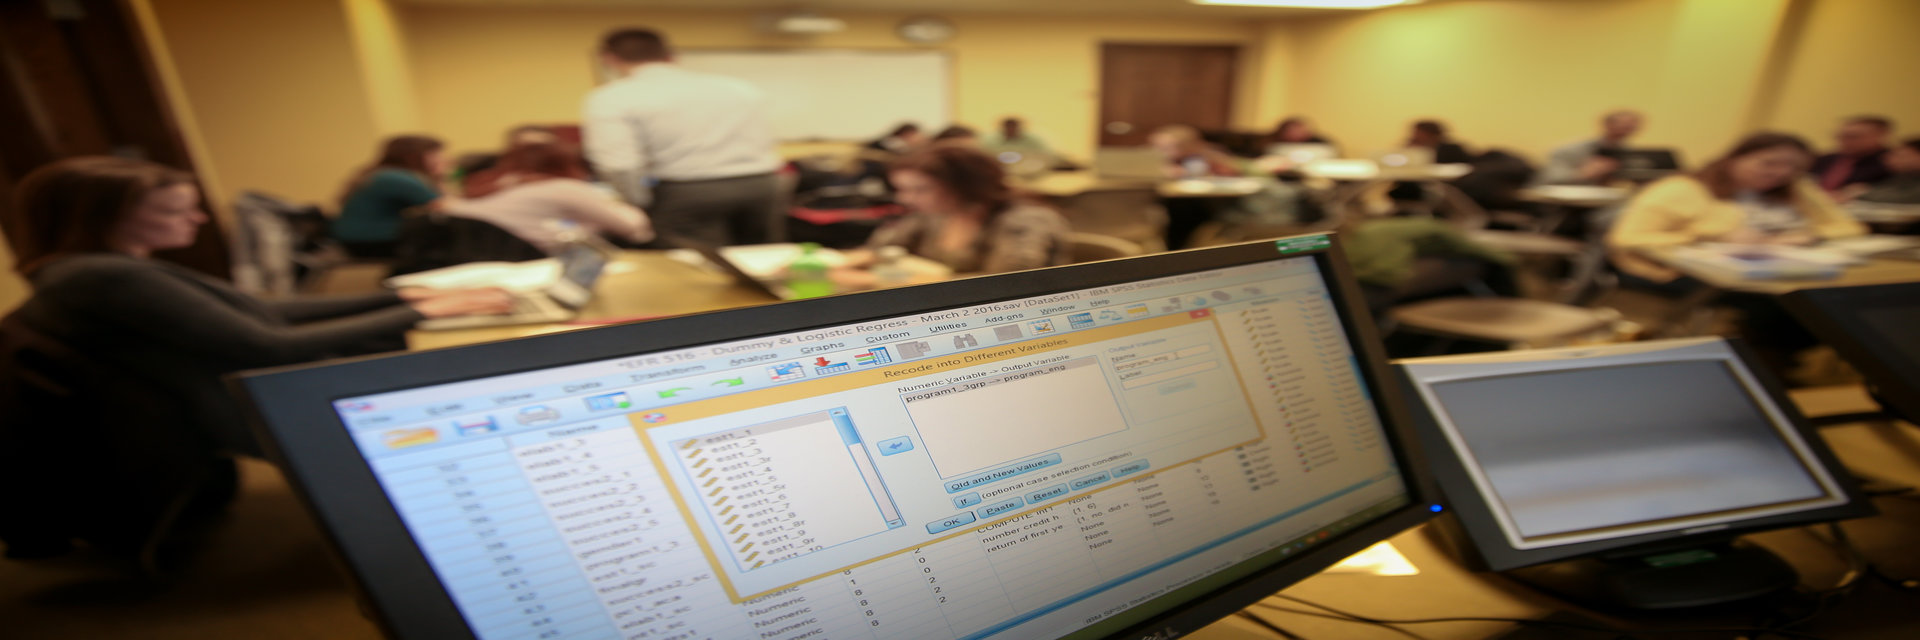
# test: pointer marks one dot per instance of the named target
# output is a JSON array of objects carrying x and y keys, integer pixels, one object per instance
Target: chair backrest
[
  {"x": 72, "y": 465},
  {"x": 1088, "y": 247},
  {"x": 431, "y": 240},
  {"x": 1131, "y": 214}
]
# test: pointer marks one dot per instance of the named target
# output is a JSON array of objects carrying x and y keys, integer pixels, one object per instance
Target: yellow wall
[
  {"x": 482, "y": 70},
  {"x": 275, "y": 89},
  {"x": 1529, "y": 75},
  {"x": 1852, "y": 57},
  {"x": 381, "y": 49},
  {"x": 1521, "y": 75}
]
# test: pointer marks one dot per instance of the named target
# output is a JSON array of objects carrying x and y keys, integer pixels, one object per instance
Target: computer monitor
[
  {"x": 1871, "y": 327},
  {"x": 1121, "y": 449},
  {"x": 1638, "y": 462}
]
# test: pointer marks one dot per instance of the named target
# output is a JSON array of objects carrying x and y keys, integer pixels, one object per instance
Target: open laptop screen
[{"x": 1031, "y": 467}]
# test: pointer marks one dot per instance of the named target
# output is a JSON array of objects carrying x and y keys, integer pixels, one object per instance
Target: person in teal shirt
[{"x": 402, "y": 178}]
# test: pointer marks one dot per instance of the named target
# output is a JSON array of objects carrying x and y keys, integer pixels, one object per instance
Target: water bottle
[{"x": 807, "y": 274}]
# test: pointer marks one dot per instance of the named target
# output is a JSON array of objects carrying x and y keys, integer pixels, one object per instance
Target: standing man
[
  {"x": 1862, "y": 142},
  {"x": 694, "y": 149},
  {"x": 1582, "y": 162}
]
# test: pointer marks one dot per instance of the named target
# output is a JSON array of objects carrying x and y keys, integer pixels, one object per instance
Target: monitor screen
[
  {"x": 1075, "y": 461},
  {"x": 1599, "y": 444}
]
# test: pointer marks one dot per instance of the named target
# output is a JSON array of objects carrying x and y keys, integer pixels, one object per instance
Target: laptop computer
[
  {"x": 1302, "y": 153},
  {"x": 1642, "y": 165},
  {"x": 581, "y": 263},
  {"x": 770, "y": 288}
]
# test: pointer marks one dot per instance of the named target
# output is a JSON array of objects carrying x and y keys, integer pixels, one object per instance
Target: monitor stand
[{"x": 1673, "y": 579}]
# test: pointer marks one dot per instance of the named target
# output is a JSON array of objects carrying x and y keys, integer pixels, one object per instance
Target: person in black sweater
[
  {"x": 121, "y": 347},
  {"x": 82, "y": 233}
]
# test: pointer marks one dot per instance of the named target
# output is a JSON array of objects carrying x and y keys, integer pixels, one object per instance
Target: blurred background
[{"x": 288, "y": 97}]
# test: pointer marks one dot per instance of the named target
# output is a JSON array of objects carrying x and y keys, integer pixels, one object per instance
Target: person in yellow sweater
[{"x": 1755, "y": 194}]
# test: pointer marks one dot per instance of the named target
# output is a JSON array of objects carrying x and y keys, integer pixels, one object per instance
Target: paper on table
[
  {"x": 1381, "y": 559},
  {"x": 1869, "y": 245},
  {"x": 767, "y": 260},
  {"x": 532, "y": 275}
]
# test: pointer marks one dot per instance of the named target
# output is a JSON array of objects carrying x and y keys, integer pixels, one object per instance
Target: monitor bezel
[
  {"x": 291, "y": 409},
  {"x": 1825, "y": 312},
  {"x": 1475, "y": 528}
]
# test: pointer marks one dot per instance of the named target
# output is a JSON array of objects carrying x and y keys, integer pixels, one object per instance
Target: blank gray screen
[{"x": 1585, "y": 449}]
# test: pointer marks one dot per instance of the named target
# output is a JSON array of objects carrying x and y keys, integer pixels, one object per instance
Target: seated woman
[
  {"x": 403, "y": 177},
  {"x": 82, "y": 234},
  {"x": 1296, "y": 130},
  {"x": 482, "y": 173},
  {"x": 112, "y": 368},
  {"x": 1755, "y": 194},
  {"x": 541, "y": 191},
  {"x": 961, "y": 213}
]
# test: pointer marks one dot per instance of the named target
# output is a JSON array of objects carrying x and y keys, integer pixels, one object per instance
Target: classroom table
[
  {"x": 637, "y": 285},
  {"x": 1066, "y": 184},
  {"x": 1873, "y": 271},
  {"x": 645, "y": 284},
  {"x": 1355, "y": 178}
]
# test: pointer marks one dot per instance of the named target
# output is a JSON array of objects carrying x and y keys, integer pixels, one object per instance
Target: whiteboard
[{"x": 839, "y": 94}]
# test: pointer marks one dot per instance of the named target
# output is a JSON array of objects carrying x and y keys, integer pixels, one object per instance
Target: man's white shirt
[{"x": 674, "y": 124}]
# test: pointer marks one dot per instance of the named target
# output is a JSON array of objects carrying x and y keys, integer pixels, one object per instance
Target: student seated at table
[
  {"x": 1755, "y": 194},
  {"x": 115, "y": 360},
  {"x": 1296, "y": 130},
  {"x": 1432, "y": 135},
  {"x": 1902, "y": 187},
  {"x": 958, "y": 134},
  {"x": 1859, "y": 154},
  {"x": 1583, "y": 162},
  {"x": 1189, "y": 156},
  {"x": 541, "y": 194},
  {"x": 403, "y": 177},
  {"x": 962, "y": 214},
  {"x": 82, "y": 234},
  {"x": 904, "y": 137},
  {"x": 1013, "y": 136},
  {"x": 480, "y": 175}
]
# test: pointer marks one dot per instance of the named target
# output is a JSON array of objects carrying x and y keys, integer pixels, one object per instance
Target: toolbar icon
[
  {"x": 822, "y": 366},
  {"x": 605, "y": 402},
  {"x": 1007, "y": 332},
  {"x": 475, "y": 426},
  {"x": 403, "y": 438},
  {"x": 876, "y": 355},
  {"x": 965, "y": 341},
  {"x": 915, "y": 349},
  {"x": 787, "y": 371},
  {"x": 537, "y": 414},
  {"x": 1043, "y": 325},
  {"x": 1080, "y": 320}
]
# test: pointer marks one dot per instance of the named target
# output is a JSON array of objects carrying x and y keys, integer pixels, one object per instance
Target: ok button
[{"x": 949, "y": 523}]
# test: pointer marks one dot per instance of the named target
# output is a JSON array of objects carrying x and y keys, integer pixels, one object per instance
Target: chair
[
  {"x": 282, "y": 247},
  {"x": 1131, "y": 214},
  {"x": 431, "y": 240},
  {"x": 1089, "y": 247},
  {"x": 74, "y": 466}
]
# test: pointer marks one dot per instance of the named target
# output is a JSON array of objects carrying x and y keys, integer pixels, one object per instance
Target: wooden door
[
  {"x": 86, "y": 86},
  {"x": 1147, "y": 86}
]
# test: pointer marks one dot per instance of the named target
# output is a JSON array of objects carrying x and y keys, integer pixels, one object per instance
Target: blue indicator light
[{"x": 1435, "y": 508}]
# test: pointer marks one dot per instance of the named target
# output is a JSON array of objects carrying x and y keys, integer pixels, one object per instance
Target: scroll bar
[{"x": 863, "y": 460}]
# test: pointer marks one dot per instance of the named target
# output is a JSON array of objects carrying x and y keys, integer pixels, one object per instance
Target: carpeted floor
[{"x": 264, "y": 573}]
